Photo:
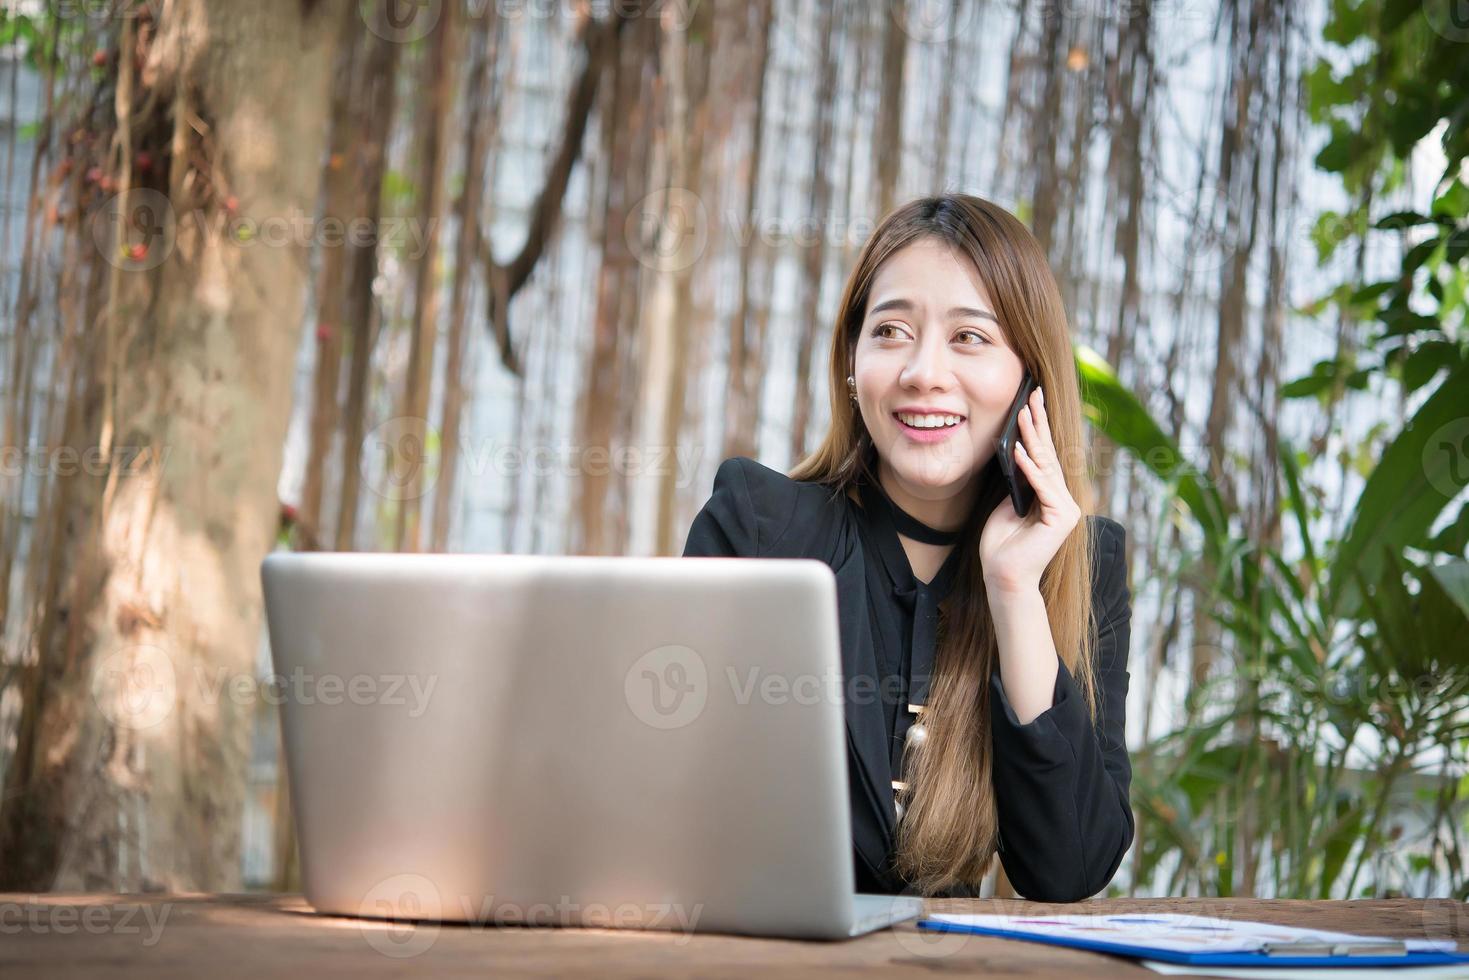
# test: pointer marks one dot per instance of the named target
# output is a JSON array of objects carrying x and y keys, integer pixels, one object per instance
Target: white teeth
[{"x": 929, "y": 421}]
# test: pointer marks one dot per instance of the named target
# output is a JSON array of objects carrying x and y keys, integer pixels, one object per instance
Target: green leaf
[
  {"x": 1324, "y": 90},
  {"x": 1452, "y": 540},
  {"x": 1344, "y": 148},
  {"x": 1453, "y": 578},
  {"x": 1419, "y": 254},
  {"x": 1121, "y": 417},
  {"x": 1453, "y": 202},
  {"x": 1423, "y": 633},
  {"x": 1300, "y": 510},
  {"x": 1458, "y": 247},
  {"x": 1348, "y": 21},
  {"x": 1426, "y": 361},
  {"x": 1394, "y": 612},
  {"x": 1395, "y": 13},
  {"x": 1331, "y": 229},
  {"x": 1408, "y": 488},
  {"x": 1311, "y": 384},
  {"x": 1340, "y": 840},
  {"x": 1402, "y": 321},
  {"x": 1410, "y": 119},
  {"x": 1400, "y": 220},
  {"x": 1368, "y": 293}
]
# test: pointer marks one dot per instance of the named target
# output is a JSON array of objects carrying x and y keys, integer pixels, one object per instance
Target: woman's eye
[{"x": 975, "y": 337}]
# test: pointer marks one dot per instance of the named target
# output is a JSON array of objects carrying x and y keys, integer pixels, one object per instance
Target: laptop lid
[{"x": 646, "y": 742}]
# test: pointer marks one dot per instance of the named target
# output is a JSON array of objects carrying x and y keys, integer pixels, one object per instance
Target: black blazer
[{"x": 1061, "y": 784}]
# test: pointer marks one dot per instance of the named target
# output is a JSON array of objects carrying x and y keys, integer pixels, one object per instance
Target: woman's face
[{"x": 930, "y": 351}]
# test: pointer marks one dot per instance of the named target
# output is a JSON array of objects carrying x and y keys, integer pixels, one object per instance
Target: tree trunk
[
  {"x": 890, "y": 107},
  {"x": 133, "y": 743},
  {"x": 1045, "y": 132},
  {"x": 362, "y": 314},
  {"x": 698, "y": 44},
  {"x": 1133, "y": 94},
  {"x": 814, "y": 259},
  {"x": 483, "y": 120},
  {"x": 340, "y": 201},
  {"x": 627, "y": 125},
  {"x": 438, "y": 87},
  {"x": 742, "y": 384}
]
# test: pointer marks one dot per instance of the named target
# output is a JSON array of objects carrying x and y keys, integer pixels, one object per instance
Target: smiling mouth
[{"x": 948, "y": 427}]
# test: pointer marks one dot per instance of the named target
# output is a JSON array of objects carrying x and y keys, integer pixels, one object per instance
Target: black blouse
[{"x": 1060, "y": 783}]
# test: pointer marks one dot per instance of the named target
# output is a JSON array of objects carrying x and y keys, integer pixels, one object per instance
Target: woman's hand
[{"x": 1015, "y": 550}]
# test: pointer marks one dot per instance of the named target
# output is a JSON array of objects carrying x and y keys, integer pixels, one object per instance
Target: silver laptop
[{"x": 652, "y": 743}]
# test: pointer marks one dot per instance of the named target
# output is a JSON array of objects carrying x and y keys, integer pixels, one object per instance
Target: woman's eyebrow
[{"x": 956, "y": 313}]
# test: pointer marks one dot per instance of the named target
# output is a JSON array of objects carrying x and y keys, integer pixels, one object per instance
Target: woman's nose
[{"x": 927, "y": 366}]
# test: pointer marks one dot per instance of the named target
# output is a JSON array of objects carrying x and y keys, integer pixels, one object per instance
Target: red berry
[
  {"x": 94, "y": 174},
  {"x": 138, "y": 252},
  {"x": 99, "y": 58},
  {"x": 323, "y": 332},
  {"x": 144, "y": 161}
]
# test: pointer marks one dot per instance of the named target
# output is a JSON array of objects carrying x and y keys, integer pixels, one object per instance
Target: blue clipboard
[{"x": 1411, "y": 958}]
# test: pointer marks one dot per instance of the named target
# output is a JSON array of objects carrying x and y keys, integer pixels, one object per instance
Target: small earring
[{"x": 852, "y": 387}]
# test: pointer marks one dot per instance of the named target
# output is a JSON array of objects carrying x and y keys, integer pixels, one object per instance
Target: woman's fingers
[
  {"x": 1036, "y": 445},
  {"x": 1037, "y": 455},
  {"x": 1040, "y": 476},
  {"x": 1041, "y": 422}
]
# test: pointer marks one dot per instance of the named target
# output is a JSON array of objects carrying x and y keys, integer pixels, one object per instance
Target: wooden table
[{"x": 260, "y": 935}]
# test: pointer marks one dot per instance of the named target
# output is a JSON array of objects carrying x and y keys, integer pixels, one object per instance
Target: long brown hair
[{"x": 948, "y": 835}]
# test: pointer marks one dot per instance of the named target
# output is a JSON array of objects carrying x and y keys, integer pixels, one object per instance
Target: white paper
[{"x": 1173, "y": 931}]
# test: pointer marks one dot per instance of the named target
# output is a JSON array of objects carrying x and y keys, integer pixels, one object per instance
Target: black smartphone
[{"x": 1021, "y": 492}]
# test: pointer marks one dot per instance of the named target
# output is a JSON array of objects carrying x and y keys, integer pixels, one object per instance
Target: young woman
[{"x": 985, "y": 655}]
